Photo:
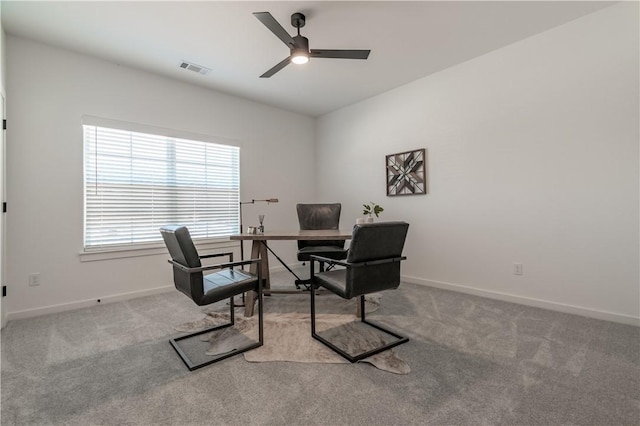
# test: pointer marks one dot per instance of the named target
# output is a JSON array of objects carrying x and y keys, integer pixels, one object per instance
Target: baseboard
[
  {"x": 53, "y": 309},
  {"x": 538, "y": 303}
]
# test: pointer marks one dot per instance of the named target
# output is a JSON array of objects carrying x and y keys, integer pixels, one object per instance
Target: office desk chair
[
  {"x": 319, "y": 216},
  {"x": 372, "y": 265},
  {"x": 225, "y": 283}
]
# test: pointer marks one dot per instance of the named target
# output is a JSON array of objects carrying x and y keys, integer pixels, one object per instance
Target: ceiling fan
[{"x": 299, "y": 45}]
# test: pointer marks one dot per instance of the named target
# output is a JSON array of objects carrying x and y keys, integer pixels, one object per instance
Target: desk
[{"x": 259, "y": 251}]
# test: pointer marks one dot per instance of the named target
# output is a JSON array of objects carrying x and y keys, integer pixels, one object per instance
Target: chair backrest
[
  {"x": 183, "y": 251},
  {"x": 319, "y": 216},
  {"x": 371, "y": 242}
]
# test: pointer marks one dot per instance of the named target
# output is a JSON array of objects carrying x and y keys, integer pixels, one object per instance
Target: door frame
[{"x": 3, "y": 217}]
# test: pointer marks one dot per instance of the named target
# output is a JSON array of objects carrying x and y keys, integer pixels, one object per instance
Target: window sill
[{"x": 204, "y": 247}]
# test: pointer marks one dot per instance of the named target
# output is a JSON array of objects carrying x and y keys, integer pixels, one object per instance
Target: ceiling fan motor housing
[{"x": 301, "y": 43}]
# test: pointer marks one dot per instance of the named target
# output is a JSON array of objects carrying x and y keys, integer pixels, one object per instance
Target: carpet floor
[{"x": 474, "y": 361}]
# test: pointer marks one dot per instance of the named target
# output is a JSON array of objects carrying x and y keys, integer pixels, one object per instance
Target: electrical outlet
[
  {"x": 517, "y": 269},
  {"x": 34, "y": 279}
]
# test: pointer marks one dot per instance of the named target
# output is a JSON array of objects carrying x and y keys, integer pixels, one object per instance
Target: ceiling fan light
[{"x": 300, "y": 57}]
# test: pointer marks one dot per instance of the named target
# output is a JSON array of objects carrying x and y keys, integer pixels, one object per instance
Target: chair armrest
[
  {"x": 359, "y": 264},
  {"x": 211, "y": 267},
  {"x": 377, "y": 262},
  {"x": 327, "y": 260}
]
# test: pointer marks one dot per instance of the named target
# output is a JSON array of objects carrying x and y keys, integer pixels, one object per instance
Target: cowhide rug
[{"x": 287, "y": 332}]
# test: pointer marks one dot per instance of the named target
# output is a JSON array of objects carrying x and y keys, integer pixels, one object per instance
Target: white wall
[
  {"x": 532, "y": 158},
  {"x": 50, "y": 90}
]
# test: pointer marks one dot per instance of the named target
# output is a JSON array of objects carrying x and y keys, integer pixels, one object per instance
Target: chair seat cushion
[
  {"x": 332, "y": 252},
  {"x": 334, "y": 281},
  {"x": 226, "y": 283}
]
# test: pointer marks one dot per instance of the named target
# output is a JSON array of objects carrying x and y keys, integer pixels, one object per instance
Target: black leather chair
[
  {"x": 226, "y": 282},
  {"x": 372, "y": 265},
  {"x": 319, "y": 216}
]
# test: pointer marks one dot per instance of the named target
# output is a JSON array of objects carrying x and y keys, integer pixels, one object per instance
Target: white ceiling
[{"x": 408, "y": 40}]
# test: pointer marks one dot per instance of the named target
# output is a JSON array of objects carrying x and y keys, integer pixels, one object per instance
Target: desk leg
[
  {"x": 264, "y": 255},
  {"x": 258, "y": 251}
]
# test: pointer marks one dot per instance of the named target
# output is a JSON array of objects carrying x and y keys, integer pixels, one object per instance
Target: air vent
[{"x": 195, "y": 68}]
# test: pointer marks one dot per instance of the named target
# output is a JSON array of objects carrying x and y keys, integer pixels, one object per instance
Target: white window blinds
[{"x": 136, "y": 183}]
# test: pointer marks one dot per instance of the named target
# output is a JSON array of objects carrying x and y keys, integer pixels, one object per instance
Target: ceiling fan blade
[
  {"x": 277, "y": 68},
  {"x": 273, "y": 25},
  {"x": 340, "y": 54}
]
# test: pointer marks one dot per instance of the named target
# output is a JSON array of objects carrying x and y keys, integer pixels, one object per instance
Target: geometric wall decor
[{"x": 406, "y": 173}]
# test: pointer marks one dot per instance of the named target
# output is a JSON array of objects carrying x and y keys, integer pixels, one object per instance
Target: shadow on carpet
[{"x": 287, "y": 332}]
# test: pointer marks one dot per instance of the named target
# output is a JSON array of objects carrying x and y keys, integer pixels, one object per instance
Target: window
[{"x": 134, "y": 183}]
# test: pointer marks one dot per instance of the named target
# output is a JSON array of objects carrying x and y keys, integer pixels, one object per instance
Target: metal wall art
[{"x": 406, "y": 173}]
